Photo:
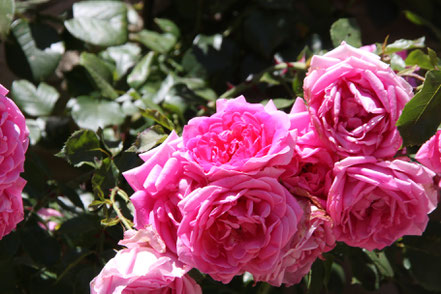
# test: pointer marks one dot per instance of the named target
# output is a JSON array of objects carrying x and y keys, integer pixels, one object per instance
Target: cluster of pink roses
[
  {"x": 13, "y": 144},
  {"x": 253, "y": 189}
]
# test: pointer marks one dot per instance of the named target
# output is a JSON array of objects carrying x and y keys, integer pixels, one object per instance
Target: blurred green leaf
[
  {"x": 345, "y": 29},
  {"x": 82, "y": 147},
  {"x": 148, "y": 139},
  {"x": 105, "y": 178},
  {"x": 42, "y": 248},
  {"x": 34, "y": 101},
  {"x": 100, "y": 72},
  {"x": 403, "y": 44},
  {"x": 36, "y": 129},
  {"x": 141, "y": 71},
  {"x": 434, "y": 59},
  {"x": 420, "y": 117},
  {"x": 316, "y": 278},
  {"x": 381, "y": 262},
  {"x": 101, "y": 23},
  {"x": 419, "y": 58},
  {"x": 90, "y": 113},
  {"x": 168, "y": 26},
  {"x": 165, "y": 88},
  {"x": 161, "y": 43},
  {"x": 7, "y": 10},
  {"x": 124, "y": 57},
  {"x": 159, "y": 118},
  {"x": 419, "y": 20},
  {"x": 42, "y": 62}
]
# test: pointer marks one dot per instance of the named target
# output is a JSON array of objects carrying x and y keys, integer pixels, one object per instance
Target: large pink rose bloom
[
  {"x": 373, "y": 203},
  {"x": 140, "y": 269},
  {"x": 430, "y": 153},
  {"x": 160, "y": 183},
  {"x": 240, "y": 136},
  {"x": 310, "y": 169},
  {"x": 14, "y": 142},
  {"x": 355, "y": 101},
  {"x": 314, "y": 237},
  {"x": 237, "y": 224}
]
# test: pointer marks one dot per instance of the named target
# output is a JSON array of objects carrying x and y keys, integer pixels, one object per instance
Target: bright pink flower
[
  {"x": 311, "y": 166},
  {"x": 237, "y": 224},
  {"x": 373, "y": 203},
  {"x": 14, "y": 142},
  {"x": 160, "y": 183},
  {"x": 141, "y": 269},
  {"x": 430, "y": 153},
  {"x": 355, "y": 100},
  {"x": 239, "y": 137},
  {"x": 314, "y": 237}
]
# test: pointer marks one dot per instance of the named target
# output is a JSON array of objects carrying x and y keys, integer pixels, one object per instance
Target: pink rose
[
  {"x": 314, "y": 237},
  {"x": 355, "y": 100},
  {"x": 373, "y": 203},
  {"x": 14, "y": 138},
  {"x": 50, "y": 218},
  {"x": 236, "y": 224},
  {"x": 141, "y": 269},
  {"x": 310, "y": 168},
  {"x": 430, "y": 153},
  {"x": 160, "y": 183},
  {"x": 240, "y": 137}
]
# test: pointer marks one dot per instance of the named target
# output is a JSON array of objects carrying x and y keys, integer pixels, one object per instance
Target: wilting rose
[
  {"x": 311, "y": 166},
  {"x": 142, "y": 269},
  {"x": 430, "y": 153},
  {"x": 355, "y": 100},
  {"x": 236, "y": 224},
  {"x": 314, "y": 237},
  {"x": 14, "y": 142},
  {"x": 160, "y": 183},
  {"x": 373, "y": 203},
  {"x": 240, "y": 137}
]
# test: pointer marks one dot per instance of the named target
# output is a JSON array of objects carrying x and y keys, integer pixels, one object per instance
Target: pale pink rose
[
  {"x": 311, "y": 166},
  {"x": 160, "y": 183},
  {"x": 14, "y": 142},
  {"x": 50, "y": 217},
  {"x": 239, "y": 137},
  {"x": 235, "y": 225},
  {"x": 143, "y": 270},
  {"x": 430, "y": 153},
  {"x": 355, "y": 100},
  {"x": 313, "y": 237},
  {"x": 373, "y": 203}
]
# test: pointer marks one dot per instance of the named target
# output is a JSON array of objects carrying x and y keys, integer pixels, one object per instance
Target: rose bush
[
  {"x": 355, "y": 100},
  {"x": 373, "y": 203},
  {"x": 14, "y": 142}
]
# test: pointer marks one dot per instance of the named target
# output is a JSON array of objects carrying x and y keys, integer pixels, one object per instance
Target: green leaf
[
  {"x": 403, "y": 44},
  {"x": 167, "y": 26},
  {"x": 161, "y": 43},
  {"x": 345, "y": 29},
  {"x": 36, "y": 129},
  {"x": 90, "y": 113},
  {"x": 42, "y": 248},
  {"x": 100, "y": 72},
  {"x": 417, "y": 19},
  {"x": 419, "y": 58},
  {"x": 141, "y": 72},
  {"x": 42, "y": 63},
  {"x": 105, "y": 178},
  {"x": 7, "y": 10},
  {"x": 100, "y": 23},
  {"x": 281, "y": 102},
  {"x": 82, "y": 147},
  {"x": 420, "y": 117},
  {"x": 159, "y": 118},
  {"x": 381, "y": 262},
  {"x": 34, "y": 101},
  {"x": 317, "y": 277},
  {"x": 434, "y": 60},
  {"x": 148, "y": 139},
  {"x": 124, "y": 57},
  {"x": 108, "y": 222}
]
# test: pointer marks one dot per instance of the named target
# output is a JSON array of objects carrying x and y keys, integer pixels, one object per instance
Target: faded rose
[
  {"x": 430, "y": 153},
  {"x": 355, "y": 100},
  {"x": 314, "y": 237},
  {"x": 240, "y": 136},
  {"x": 237, "y": 224},
  {"x": 14, "y": 142},
  {"x": 142, "y": 270},
  {"x": 373, "y": 203},
  {"x": 310, "y": 168},
  {"x": 160, "y": 183}
]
